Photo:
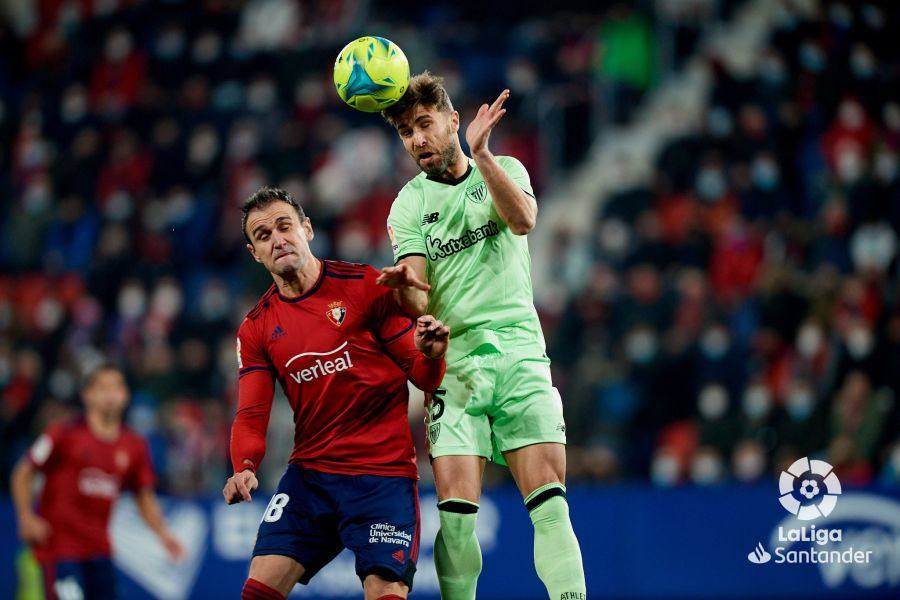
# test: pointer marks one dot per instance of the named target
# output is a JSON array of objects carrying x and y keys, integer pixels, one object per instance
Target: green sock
[
  {"x": 557, "y": 557},
  {"x": 457, "y": 555}
]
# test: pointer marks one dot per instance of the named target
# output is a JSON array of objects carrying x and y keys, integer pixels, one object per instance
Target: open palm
[{"x": 479, "y": 130}]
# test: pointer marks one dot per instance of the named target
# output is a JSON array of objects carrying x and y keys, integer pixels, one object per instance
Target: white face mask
[
  {"x": 706, "y": 468},
  {"x": 749, "y": 464},
  {"x": 860, "y": 342},
  {"x": 799, "y": 403},
  {"x": 641, "y": 346},
  {"x": 715, "y": 343},
  {"x": 809, "y": 340},
  {"x": 757, "y": 402},
  {"x": 664, "y": 470},
  {"x": 713, "y": 402}
]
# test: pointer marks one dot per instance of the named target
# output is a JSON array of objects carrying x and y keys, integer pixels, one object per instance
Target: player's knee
[
  {"x": 545, "y": 493},
  {"x": 381, "y": 584}
]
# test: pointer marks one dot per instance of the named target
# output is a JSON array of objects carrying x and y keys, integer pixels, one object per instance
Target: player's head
[
  {"x": 277, "y": 231},
  {"x": 105, "y": 391},
  {"x": 427, "y": 124}
]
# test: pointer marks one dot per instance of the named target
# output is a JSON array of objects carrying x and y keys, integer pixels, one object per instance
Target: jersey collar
[
  {"x": 311, "y": 290},
  {"x": 456, "y": 181}
]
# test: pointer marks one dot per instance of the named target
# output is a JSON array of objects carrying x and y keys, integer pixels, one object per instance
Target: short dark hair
[
  {"x": 91, "y": 374},
  {"x": 425, "y": 89},
  {"x": 263, "y": 197}
]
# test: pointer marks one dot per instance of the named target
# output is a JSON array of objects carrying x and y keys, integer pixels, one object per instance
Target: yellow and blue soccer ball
[{"x": 371, "y": 73}]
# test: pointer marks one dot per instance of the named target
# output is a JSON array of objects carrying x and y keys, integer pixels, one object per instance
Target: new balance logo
[
  {"x": 398, "y": 556},
  {"x": 277, "y": 333},
  {"x": 430, "y": 218}
]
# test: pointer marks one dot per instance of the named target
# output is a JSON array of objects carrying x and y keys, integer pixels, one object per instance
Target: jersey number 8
[{"x": 275, "y": 508}]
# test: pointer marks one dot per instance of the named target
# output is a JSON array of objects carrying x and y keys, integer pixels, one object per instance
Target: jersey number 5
[{"x": 437, "y": 404}]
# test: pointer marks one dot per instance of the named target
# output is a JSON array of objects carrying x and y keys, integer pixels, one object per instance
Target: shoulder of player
[
  {"x": 412, "y": 191},
  {"x": 508, "y": 161},
  {"x": 338, "y": 269},
  {"x": 260, "y": 307}
]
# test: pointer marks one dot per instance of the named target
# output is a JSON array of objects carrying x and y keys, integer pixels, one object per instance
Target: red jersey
[
  {"x": 84, "y": 476},
  {"x": 342, "y": 353}
]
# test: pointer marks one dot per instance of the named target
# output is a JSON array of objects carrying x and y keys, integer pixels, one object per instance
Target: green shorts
[{"x": 492, "y": 403}]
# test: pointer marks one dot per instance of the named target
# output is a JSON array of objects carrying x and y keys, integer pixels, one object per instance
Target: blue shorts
[
  {"x": 315, "y": 515},
  {"x": 94, "y": 578}
]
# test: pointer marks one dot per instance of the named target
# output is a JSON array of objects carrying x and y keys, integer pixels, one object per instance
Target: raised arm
[
  {"x": 409, "y": 281},
  {"x": 513, "y": 204}
]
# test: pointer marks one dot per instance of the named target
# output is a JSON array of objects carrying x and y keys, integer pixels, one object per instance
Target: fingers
[
  {"x": 243, "y": 489},
  {"x": 498, "y": 103}
]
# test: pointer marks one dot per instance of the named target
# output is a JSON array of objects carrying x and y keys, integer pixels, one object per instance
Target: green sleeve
[
  {"x": 516, "y": 172},
  {"x": 404, "y": 225}
]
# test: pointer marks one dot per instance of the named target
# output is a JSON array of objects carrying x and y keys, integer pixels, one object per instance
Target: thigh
[
  {"x": 458, "y": 477},
  {"x": 380, "y": 524},
  {"x": 455, "y": 420},
  {"x": 300, "y": 523},
  {"x": 100, "y": 579},
  {"x": 528, "y": 409},
  {"x": 537, "y": 465},
  {"x": 278, "y": 572}
]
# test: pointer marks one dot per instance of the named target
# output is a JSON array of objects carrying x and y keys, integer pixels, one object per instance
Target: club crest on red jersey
[{"x": 336, "y": 312}]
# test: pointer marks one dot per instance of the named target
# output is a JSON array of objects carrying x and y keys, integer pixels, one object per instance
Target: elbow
[{"x": 522, "y": 226}]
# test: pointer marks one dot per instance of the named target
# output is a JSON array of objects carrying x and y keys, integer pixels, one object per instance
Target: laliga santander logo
[{"x": 809, "y": 489}]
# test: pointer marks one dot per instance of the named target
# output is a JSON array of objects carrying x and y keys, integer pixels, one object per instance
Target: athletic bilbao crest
[
  {"x": 434, "y": 432},
  {"x": 336, "y": 312},
  {"x": 477, "y": 193}
]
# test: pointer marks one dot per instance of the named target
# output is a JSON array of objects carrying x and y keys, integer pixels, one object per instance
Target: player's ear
[
  {"x": 307, "y": 228},
  {"x": 454, "y": 120},
  {"x": 253, "y": 253}
]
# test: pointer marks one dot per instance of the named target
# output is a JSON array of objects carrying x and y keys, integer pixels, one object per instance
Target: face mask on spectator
[
  {"x": 614, "y": 237},
  {"x": 862, "y": 62},
  {"x": 757, "y": 402},
  {"x": 664, "y": 469},
  {"x": 641, "y": 346},
  {"x": 860, "y": 342},
  {"x": 203, "y": 146},
  {"x": 850, "y": 166},
  {"x": 715, "y": 343},
  {"x": 799, "y": 403},
  {"x": 712, "y": 402},
  {"x": 765, "y": 173},
  {"x": 118, "y": 46},
  {"x": 749, "y": 463},
  {"x": 74, "y": 105},
  {"x": 706, "y": 468},
  {"x": 132, "y": 301},
  {"x": 710, "y": 183},
  {"x": 809, "y": 340}
]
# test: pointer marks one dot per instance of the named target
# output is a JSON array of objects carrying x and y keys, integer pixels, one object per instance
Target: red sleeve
[
  {"x": 47, "y": 449},
  {"x": 396, "y": 331},
  {"x": 248, "y": 433},
  {"x": 141, "y": 474},
  {"x": 251, "y": 354}
]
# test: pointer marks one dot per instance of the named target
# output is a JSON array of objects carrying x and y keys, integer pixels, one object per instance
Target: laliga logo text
[{"x": 809, "y": 489}]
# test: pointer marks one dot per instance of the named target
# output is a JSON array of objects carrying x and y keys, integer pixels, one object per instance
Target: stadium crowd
[{"x": 741, "y": 310}]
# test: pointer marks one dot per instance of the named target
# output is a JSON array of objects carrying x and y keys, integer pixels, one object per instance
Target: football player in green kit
[{"x": 458, "y": 236}]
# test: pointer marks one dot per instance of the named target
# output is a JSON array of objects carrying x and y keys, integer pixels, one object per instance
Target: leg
[
  {"x": 457, "y": 555},
  {"x": 539, "y": 471},
  {"x": 100, "y": 579},
  {"x": 530, "y": 431},
  {"x": 377, "y": 588},
  {"x": 275, "y": 574}
]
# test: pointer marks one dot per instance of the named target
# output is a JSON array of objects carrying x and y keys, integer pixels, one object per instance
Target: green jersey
[{"x": 479, "y": 271}]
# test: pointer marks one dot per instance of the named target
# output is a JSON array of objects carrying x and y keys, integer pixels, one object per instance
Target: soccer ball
[{"x": 371, "y": 73}]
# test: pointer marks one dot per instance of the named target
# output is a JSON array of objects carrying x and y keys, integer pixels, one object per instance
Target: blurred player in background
[
  {"x": 342, "y": 349},
  {"x": 86, "y": 464},
  {"x": 458, "y": 236}
]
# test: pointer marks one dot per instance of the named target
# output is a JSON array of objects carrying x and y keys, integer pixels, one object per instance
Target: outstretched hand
[
  {"x": 432, "y": 337},
  {"x": 479, "y": 130},
  {"x": 401, "y": 276},
  {"x": 238, "y": 487}
]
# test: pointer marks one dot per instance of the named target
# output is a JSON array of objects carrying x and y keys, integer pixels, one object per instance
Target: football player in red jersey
[
  {"x": 86, "y": 463},
  {"x": 342, "y": 350}
]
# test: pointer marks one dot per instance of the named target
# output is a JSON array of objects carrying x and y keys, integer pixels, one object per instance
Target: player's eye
[
  {"x": 425, "y": 125},
  {"x": 405, "y": 133}
]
